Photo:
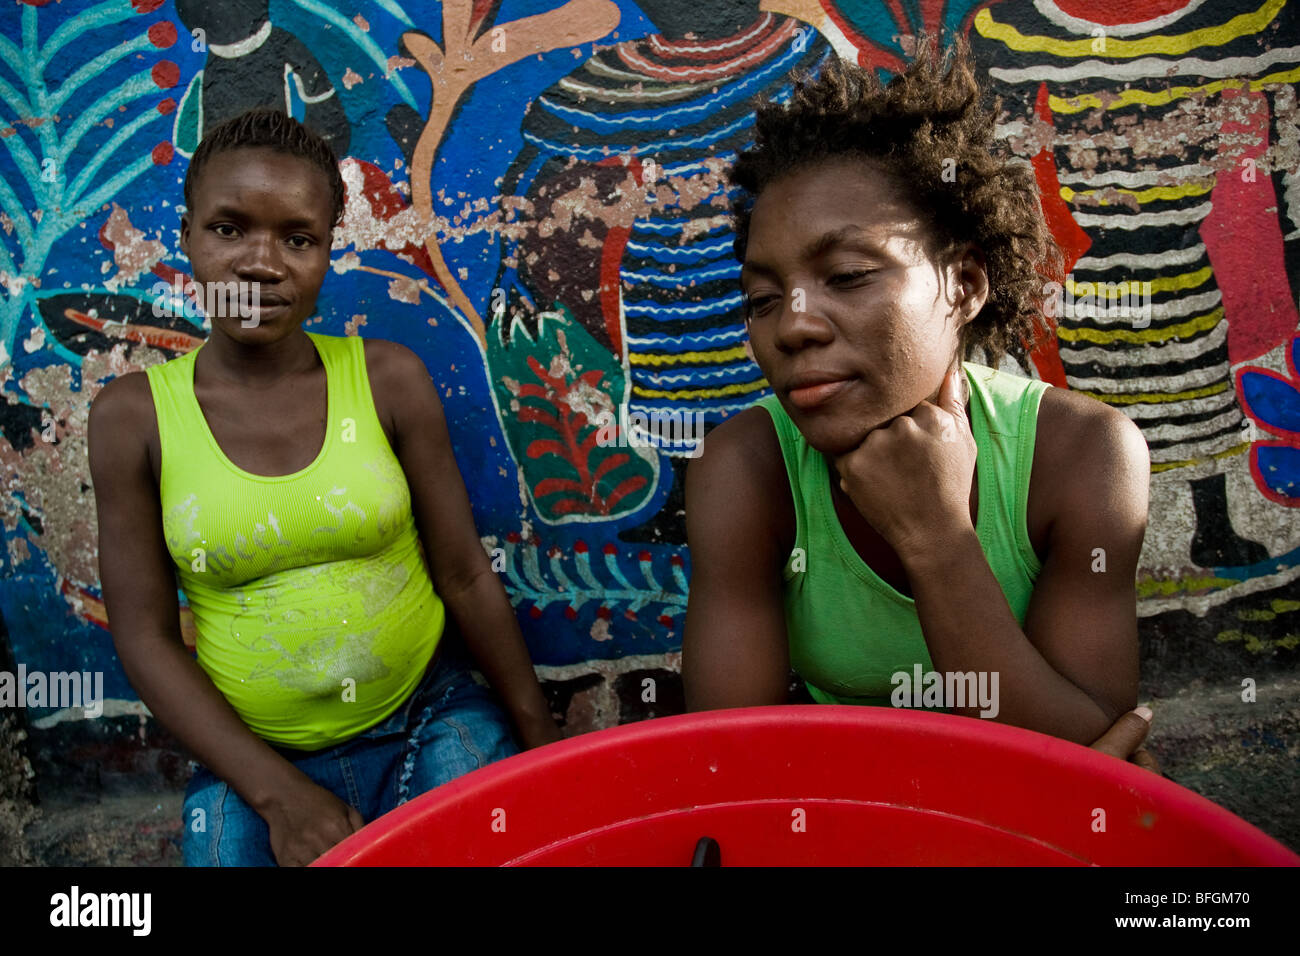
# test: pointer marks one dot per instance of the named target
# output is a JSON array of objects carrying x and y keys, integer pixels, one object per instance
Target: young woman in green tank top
[
  {"x": 303, "y": 492},
  {"x": 892, "y": 510}
]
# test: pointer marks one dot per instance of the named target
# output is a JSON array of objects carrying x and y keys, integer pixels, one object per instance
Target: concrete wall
[{"x": 1163, "y": 133}]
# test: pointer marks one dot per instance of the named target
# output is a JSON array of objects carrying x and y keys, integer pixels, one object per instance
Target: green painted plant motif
[{"x": 555, "y": 391}]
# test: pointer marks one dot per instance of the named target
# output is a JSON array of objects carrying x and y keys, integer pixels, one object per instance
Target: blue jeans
[{"x": 446, "y": 728}]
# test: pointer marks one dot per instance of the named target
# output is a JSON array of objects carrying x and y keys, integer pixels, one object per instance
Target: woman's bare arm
[
  {"x": 462, "y": 574},
  {"x": 735, "y": 651}
]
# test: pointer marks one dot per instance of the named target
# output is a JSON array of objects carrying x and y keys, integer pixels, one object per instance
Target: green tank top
[
  {"x": 849, "y": 631},
  {"x": 315, "y": 613}
]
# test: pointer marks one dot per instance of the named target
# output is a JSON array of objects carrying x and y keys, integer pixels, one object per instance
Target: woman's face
[
  {"x": 850, "y": 319},
  {"x": 260, "y": 218}
]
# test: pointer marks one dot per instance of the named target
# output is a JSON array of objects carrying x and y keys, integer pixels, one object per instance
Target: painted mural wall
[{"x": 537, "y": 206}]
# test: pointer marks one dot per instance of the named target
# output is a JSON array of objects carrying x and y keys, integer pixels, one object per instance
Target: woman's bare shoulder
[
  {"x": 744, "y": 446},
  {"x": 385, "y": 359},
  {"x": 1086, "y": 453},
  {"x": 122, "y": 430},
  {"x": 740, "y": 476},
  {"x": 124, "y": 408},
  {"x": 1070, "y": 424}
]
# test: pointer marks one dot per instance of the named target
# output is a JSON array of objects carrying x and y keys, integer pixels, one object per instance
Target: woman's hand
[
  {"x": 539, "y": 732},
  {"x": 1124, "y": 739},
  {"x": 305, "y": 820},
  {"x": 911, "y": 479}
]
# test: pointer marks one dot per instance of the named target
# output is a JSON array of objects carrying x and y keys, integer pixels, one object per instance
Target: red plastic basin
[{"x": 811, "y": 785}]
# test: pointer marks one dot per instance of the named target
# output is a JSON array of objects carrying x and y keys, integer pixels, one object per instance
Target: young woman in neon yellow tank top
[
  {"x": 891, "y": 509},
  {"x": 303, "y": 490}
]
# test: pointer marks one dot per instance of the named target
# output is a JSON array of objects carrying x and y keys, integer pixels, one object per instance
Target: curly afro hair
[
  {"x": 929, "y": 130},
  {"x": 272, "y": 129}
]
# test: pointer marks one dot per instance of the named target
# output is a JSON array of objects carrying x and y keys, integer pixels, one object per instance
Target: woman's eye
[
  {"x": 844, "y": 278},
  {"x": 224, "y": 229},
  {"x": 300, "y": 242},
  {"x": 758, "y": 305}
]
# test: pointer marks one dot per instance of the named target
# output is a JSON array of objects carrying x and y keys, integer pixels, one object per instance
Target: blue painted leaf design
[
  {"x": 1275, "y": 403},
  {"x": 1279, "y": 466}
]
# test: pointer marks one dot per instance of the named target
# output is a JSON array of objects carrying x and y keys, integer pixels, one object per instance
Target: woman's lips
[
  {"x": 262, "y": 310},
  {"x": 810, "y": 396}
]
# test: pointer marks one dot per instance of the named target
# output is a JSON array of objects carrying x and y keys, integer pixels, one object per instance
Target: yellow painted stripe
[
  {"x": 1256, "y": 614},
  {"x": 1170, "y": 465},
  {"x": 1124, "y": 98},
  {"x": 1156, "y": 398},
  {"x": 718, "y": 356},
  {"x": 1182, "y": 330},
  {"x": 1166, "y": 588},
  {"x": 1241, "y": 25},
  {"x": 686, "y": 394},
  {"x": 1185, "y": 280},
  {"x": 1254, "y": 643},
  {"x": 1196, "y": 187}
]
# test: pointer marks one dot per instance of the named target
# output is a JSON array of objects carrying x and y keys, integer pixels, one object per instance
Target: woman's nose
[
  {"x": 260, "y": 258},
  {"x": 801, "y": 323}
]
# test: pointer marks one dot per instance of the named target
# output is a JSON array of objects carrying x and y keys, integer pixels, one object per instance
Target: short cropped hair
[
  {"x": 272, "y": 129},
  {"x": 928, "y": 121}
]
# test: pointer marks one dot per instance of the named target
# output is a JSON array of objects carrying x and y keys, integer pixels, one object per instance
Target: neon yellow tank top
[
  {"x": 315, "y": 613},
  {"x": 849, "y": 631}
]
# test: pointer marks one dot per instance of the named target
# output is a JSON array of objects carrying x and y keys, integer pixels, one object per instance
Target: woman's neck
[{"x": 261, "y": 364}]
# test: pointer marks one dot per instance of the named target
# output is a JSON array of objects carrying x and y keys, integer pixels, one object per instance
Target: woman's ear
[
  {"x": 972, "y": 284},
  {"x": 185, "y": 234}
]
